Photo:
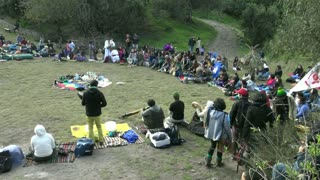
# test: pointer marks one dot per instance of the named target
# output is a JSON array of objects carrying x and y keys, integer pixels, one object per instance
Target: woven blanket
[
  {"x": 116, "y": 141},
  {"x": 67, "y": 157}
]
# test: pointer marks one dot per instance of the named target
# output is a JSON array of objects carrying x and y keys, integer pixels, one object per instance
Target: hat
[
  {"x": 281, "y": 92},
  {"x": 242, "y": 92},
  {"x": 176, "y": 95}
]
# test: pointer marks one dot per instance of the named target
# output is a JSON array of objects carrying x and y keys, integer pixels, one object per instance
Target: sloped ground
[{"x": 27, "y": 98}]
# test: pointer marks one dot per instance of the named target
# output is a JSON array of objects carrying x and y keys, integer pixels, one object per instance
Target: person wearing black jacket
[
  {"x": 258, "y": 115},
  {"x": 238, "y": 116},
  {"x": 94, "y": 100}
]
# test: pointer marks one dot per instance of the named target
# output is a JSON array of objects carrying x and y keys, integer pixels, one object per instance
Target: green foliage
[
  {"x": 259, "y": 23},
  {"x": 298, "y": 33},
  {"x": 11, "y": 8},
  {"x": 179, "y": 10}
]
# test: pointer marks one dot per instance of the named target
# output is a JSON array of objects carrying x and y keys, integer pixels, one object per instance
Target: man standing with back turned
[{"x": 94, "y": 100}]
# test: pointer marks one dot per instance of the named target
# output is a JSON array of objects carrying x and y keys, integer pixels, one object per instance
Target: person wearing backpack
[
  {"x": 238, "y": 114},
  {"x": 42, "y": 144},
  {"x": 94, "y": 100},
  {"x": 217, "y": 129}
]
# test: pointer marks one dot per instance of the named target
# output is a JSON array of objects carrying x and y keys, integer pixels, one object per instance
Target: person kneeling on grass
[
  {"x": 42, "y": 144},
  {"x": 153, "y": 116}
]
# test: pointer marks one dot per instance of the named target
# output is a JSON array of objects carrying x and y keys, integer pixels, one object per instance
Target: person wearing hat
[
  {"x": 44, "y": 51},
  {"x": 281, "y": 107},
  {"x": 258, "y": 115},
  {"x": 176, "y": 111},
  {"x": 238, "y": 116},
  {"x": 94, "y": 100},
  {"x": 153, "y": 116}
]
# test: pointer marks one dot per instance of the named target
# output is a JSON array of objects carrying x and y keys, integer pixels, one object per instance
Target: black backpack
[
  {"x": 174, "y": 134},
  {"x": 5, "y": 161}
]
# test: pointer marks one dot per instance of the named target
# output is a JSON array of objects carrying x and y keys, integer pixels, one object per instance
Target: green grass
[{"x": 167, "y": 30}]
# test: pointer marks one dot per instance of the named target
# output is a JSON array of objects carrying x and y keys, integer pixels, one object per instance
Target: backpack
[
  {"x": 84, "y": 147},
  {"x": 174, "y": 134},
  {"x": 5, "y": 161},
  {"x": 130, "y": 136}
]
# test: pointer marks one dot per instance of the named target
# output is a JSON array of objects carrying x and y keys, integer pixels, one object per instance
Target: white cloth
[
  {"x": 42, "y": 143},
  {"x": 115, "y": 56},
  {"x": 202, "y": 114}
]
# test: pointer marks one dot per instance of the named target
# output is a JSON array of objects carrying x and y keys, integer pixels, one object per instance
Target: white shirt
[
  {"x": 109, "y": 43},
  {"x": 42, "y": 143}
]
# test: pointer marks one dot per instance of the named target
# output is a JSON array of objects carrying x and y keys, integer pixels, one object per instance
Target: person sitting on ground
[
  {"x": 44, "y": 52},
  {"x": 115, "y": 55},
  {"x": 24, "y": 41},
  {"x": 314, "y": 102},
  {"x": 278, "y": 71},
  {"x": 176, "y": 111},
  {"x": 51, "y": 48},
  {"x": 19, "y": 38},
  {"x": 297, "y": 74},
  {"x": 152, "y": 116},
  {"x": 132, "y": 58},
  {"x": 42, "y": 144},
  {"x": 235, "y": 64},
  {"x": 302, "y": 109},
  {"x": 280, "y": 171},
  {"x": 2, "y": 40}
]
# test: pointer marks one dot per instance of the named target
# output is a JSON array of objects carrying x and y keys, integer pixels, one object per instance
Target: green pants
[{"x": 95, "y": 120}]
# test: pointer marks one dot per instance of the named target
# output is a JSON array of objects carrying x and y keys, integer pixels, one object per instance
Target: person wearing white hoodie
[{"x": 42, "y": 144}]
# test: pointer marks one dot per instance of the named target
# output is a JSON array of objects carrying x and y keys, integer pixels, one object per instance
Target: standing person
[
  {"x": 238, "y": 114},
  {"x": 42, "y": 144},
  {"x": 217, "y": 129},
  {"x": 176, "y": 111},
  {"x": 135, "y": 41},
  {"x": 198, "y": 46},
  {"x": 108, "y": 44},
  {"x": 258, "y": 115},
  {"x": 191, "y": 43},
  {"x": 94, "y": 100},
  {"x": 92, "y": 50}
]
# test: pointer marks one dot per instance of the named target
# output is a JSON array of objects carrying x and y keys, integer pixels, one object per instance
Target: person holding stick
[
  {"x": 94, "y": 100},
  {"x": 152, "y": 116}
]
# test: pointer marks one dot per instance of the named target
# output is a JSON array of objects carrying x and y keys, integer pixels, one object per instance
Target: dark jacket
[
  {"x": 257, "y": 116},
  {"x": 93, "y": 99},
  {"x": 238, "y": 112},
  {"x": 153, "y": 117},
  {"x": 177, "y": 109}
]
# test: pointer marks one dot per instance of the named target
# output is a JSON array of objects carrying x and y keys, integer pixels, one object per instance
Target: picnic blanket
[
  {"x": 80, "y": 131},
  {"x": 116, "y": 141},
  {"x": 67, "y": 157},
  {"x": 80, "y": 81}
]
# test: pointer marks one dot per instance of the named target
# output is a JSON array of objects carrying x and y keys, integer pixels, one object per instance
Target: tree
[
  {"x": 259, "y": 24},
  {"x": 298, "y": 33},
  {"x": 11, "y": 8}
]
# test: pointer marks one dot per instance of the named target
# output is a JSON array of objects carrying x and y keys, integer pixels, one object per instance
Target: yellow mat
[{"x": 79, "y": 131}]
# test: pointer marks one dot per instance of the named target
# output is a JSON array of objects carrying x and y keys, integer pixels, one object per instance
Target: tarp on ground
[{"x": 309, "y": 81}]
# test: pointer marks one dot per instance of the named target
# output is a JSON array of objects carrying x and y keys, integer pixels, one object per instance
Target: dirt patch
[{"x": 226, "y": 43}]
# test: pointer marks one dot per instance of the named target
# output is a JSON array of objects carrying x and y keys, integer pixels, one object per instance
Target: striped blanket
[
  {"x": 64, "y": 154},
  {"x": 116, "y": 141}
]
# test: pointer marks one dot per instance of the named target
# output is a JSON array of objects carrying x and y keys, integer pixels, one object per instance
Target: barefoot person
[{"x": 94, "y": 100}]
